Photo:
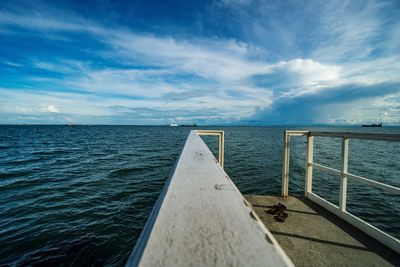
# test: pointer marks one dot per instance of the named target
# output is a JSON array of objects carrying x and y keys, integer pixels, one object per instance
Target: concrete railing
[
  {"x": 202, "y": 219},
  {"x": 344, "y": 175}
]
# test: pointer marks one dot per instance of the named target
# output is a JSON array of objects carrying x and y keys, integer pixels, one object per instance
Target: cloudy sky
[{"x": 211, "y": 62}]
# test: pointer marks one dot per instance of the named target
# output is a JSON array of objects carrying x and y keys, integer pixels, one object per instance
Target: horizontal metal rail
[
  {"x": 221, "y": 141},
  {"x": 297, "y": 132},
  {"x": 367, "y": 228},
  {"x": 325, "y": 168},
  {"x": 353, "y": 135},
  {"x": 389, "y": 188},
  {"x": 340, "y": 210}
]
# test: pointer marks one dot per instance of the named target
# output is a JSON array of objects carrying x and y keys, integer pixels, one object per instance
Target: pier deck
[
  {"x": 312, "y": 236},
  {"x": 202, "y": 219}
]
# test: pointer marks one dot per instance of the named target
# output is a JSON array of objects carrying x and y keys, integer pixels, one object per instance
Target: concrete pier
[
  {"x": 201, "y": 219},
  {"x": 312, "y": 236}
]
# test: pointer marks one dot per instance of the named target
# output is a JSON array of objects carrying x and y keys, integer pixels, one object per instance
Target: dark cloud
[{"x": 307, "y": 108}]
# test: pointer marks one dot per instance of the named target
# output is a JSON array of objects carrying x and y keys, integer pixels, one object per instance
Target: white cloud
[
  {"x": 373, "y": 70},
  {"x": 93, "y": 108},
  {"x": 311, "y": 71},
  {"x": 221, "y": 60},
  {"x": 12, "y": 64},
  {"x": 58, "y": 21},
  {"x": 53, "y": 109},
  {"x": 350, "y": 28},
  {"x": 308, "y": 76}
]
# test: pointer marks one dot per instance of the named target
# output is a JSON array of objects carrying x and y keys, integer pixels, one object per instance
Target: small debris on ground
[{"x": 279, "y": 211}]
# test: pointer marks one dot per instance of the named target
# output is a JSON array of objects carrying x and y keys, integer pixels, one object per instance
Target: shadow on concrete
[
  {"x": 330, "y": 237},
  {"x": 370, "y": 243},
  {"x": 320, "y": 240}
]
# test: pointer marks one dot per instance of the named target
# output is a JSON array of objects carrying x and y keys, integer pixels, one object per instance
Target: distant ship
[
  {"x": 372, "y": 125},
  {"x": 189, "y": 125},
  {"x": 183, "y": 125}
]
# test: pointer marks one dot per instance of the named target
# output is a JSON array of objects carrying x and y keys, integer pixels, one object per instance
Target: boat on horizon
[
  {"x": 372, "y": 125},
  {"x": 189, "y": 125}
]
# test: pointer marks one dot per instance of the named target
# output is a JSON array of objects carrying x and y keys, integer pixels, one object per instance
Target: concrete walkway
[{"x": 312, "y": 236}]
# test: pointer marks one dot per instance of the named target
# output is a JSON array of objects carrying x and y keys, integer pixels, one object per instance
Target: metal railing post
[
  {"x": 221, "y": 139},
  {"x": 309, "y": 166},
  {"x": 343, "y": 177},
  {"x": 285, "y": 167}
]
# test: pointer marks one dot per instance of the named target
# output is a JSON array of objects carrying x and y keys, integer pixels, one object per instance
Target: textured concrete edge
[
  {"x": 137, "y": 252},
  {"x": 268, "y": 234}
]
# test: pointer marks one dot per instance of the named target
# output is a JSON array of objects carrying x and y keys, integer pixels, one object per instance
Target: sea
[{"x": 80, "y": 195}]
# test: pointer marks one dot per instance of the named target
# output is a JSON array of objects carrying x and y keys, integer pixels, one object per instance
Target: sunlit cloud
[{"x": 53, "y": 109}]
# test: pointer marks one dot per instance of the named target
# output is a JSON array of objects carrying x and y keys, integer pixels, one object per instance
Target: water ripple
[{"x": 79, "y": 196}]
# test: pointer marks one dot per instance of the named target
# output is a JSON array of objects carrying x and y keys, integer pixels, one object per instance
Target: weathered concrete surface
[
  {"x": 201, "y": 219},
  {"x": 312, "y": 236}
]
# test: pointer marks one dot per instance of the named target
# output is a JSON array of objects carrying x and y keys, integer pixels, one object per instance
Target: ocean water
[{"x": 79, "y": 196}]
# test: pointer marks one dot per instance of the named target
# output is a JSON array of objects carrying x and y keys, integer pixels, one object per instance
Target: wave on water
[{"x": 80, "y": 196}]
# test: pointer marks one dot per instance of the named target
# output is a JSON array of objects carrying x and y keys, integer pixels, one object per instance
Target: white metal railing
[
  {"x": 344, "y": 175},
  {"x": 221, "y": 140}
]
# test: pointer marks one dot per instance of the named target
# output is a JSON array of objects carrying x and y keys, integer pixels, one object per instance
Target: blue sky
[{"x": 209, "y": 62}]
